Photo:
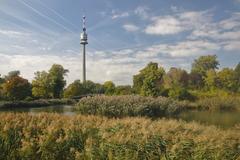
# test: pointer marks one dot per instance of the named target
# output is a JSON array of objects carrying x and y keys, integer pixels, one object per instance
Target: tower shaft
[
  {"x": 84, "y": 42},
  {"x": 84, "y": 63}
]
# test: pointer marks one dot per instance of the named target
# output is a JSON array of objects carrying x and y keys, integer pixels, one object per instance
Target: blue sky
[{"x": 123, "y": 35}]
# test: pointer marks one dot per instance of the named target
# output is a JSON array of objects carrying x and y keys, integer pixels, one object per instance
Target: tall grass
[
  {"x": 131, "y": 105},
  {"x": 53, "y": 136}
]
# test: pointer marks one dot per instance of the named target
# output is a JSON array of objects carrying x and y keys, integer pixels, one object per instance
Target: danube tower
[{"x": 84, "y": 42}]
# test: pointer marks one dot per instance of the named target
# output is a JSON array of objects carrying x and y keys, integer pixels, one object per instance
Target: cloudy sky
[{"x": 123, "y": 35}]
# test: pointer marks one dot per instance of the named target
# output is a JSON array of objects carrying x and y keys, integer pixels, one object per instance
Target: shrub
[
  {"x": 219, "y": 103},
  {"x": 180, "y": 94},
  {"x": 121, "y": 106}
]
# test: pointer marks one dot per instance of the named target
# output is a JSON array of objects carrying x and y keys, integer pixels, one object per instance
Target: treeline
[{"x": 204, "y": 79}]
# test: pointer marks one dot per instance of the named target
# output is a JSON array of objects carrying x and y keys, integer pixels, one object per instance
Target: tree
[
  {"x": 205, "y": 63},
  {"x": 12, "y": 74},
  {"x": 109, "y": 87},
  {"x": 149, "y": 81},
  {"x": 237, "y": 74},
  {"x": 1, "y": 87},
  {"x": 176, "y": 77},
  {"x": 123, "y": 90},
  {"x": 211, "y": 80},
  {"x": 228, "y": 79},
  {"x": 17, "y": 88},
  {"x": 92, "y": 88},
  {"x": 42, "y": 85},
  {"x": 74, "y": 89},
  {"x": 56, "y": 75}
]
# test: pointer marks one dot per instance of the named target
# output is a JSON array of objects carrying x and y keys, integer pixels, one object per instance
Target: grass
[
  {"x": 35, "y": 103},
  {"x": 54, "y": 136}
]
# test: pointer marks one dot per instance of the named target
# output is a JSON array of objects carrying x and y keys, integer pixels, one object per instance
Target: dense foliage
[
  {"x": 16, "y": 88},
  {"x": 49, "y": 84},
  {"x": 122, "y": 106},
  {"x": 53, "y": 136}
]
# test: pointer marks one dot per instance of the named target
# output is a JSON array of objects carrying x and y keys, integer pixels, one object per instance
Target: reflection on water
[
  {"x": 222, "y": 119},
  {"x": 62, "y": 109}
]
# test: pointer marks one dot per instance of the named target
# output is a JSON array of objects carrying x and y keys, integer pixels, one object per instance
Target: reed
[{"x": 53, "y": 136}]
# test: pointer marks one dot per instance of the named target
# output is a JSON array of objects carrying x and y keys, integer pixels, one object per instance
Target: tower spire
[{"x": 84, "y": 42}]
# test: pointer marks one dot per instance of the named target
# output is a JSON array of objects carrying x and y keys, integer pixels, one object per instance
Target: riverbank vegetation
[
  {"x": 54, "y": 136},
  {"x": 154, "y": 107}
]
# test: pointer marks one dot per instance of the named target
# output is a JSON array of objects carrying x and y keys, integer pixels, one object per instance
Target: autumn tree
[
  {"x": 176, "y": 77},
  {"x": 149, "y": 81},
  {"x": 17, "y": 88}
]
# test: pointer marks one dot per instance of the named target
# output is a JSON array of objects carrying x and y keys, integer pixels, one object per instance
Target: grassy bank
[
  {"x": 131, "y": 105},
  {"x": 53, "y": 136},
  {"x": 122, "y": 106},
  {"x": 36, "y": 103}
]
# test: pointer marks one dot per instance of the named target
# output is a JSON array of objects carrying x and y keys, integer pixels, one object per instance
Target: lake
[{"x": 221, "y": 119}]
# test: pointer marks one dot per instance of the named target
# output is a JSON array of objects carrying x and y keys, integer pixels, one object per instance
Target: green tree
[
  {"x": 42, "y": 85},
  {"x": 12, "y": 74},
  {"x": 17, "y": 88},
  {"x": 56, "y": 75},
  {"x": 228, "y": 79},
  {"x": 149, "y": 81},
  {"x": 205, "y": 63},
  {"x": 1, "y": 87},
  {"x": 176, "y": 77},
  {"x": 109, "y": 87},
  {"x": 74, "y": 89},
  {"x": 237, "y": 74},
  {"x": 123, "y": 90},
  {"x": 90, "y": 87},
  {"x": 211, "y": 80}
]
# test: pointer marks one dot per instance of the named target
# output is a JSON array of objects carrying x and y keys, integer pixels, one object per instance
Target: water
[
  {"x": 217, "y": 118},
  {"x": 221, "y": 119},
  {"x": 62, "y": 109}
]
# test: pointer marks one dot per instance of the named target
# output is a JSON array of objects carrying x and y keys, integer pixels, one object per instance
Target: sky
[{"x": 124, "y": 36}]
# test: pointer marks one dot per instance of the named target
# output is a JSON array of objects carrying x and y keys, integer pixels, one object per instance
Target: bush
[
  {"x": 54, "y": 136},
  {"x": 180, "y": 94},
  {"x": 219, "y": 103},
  {"x": 121, "y": 106}
]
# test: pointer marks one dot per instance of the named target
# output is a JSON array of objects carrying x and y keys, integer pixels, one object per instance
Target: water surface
[{"x": 221, "y": 119}]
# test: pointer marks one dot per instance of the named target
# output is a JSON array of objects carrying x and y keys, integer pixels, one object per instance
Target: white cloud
[
  {"x": 130, "y": 27},
  {"x": 173, "y": 24},
  {"x": 12, "y": 33},
  {"x": 180, "y": 49},
  {"x": 142, "y": 11},
  {"x": 164, "y": 25},
  {"x": 116, "y": 15}
]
